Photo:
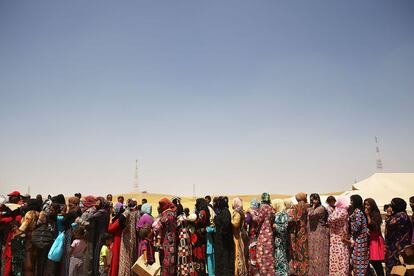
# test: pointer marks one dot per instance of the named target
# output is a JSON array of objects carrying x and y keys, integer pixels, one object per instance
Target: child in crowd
[
  {"x": 105, "y": 255},
  {"x": 78, "y": 248},
  {"x": 146, "y": 244},
  {"x": 331, "y": 200}
]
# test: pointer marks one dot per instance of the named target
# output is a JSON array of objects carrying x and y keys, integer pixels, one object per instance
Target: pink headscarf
[{"x": 342, "y": 203}]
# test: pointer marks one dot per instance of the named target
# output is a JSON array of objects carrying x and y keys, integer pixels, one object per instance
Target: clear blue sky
[{"x": 233, "y": 96}]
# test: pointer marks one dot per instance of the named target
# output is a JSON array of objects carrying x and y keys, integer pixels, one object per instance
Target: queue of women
[{"x": 93, "y": 236}]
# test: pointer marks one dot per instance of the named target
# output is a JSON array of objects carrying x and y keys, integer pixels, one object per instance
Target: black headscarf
[
  {"x": 222, "y": 202},
  {"x": 201, "y": 204},
  {"x": 31, "y": 205},
  {"x": 59, "y": 199},
  {"x": 357, "y": 203},
  {"x": 398, "y": 205}
]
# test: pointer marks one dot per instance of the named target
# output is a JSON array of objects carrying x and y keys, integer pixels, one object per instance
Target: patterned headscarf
[
  {"x": 313, "y": 197},
  {"x": 266, "y": 198},
  {"x": 301, "y": 196},
  {"x": 342, "y": 203},
  {"x": 254, "y": 204},
  {"x": 278, "y": 204},
  {"x": 146, "y": 208},
  {"x": 238, "y": 204}
]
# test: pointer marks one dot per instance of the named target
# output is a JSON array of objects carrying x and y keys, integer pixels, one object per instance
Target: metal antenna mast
[
  {"x": 379, "y": 161},
  {"x": 136, "y": 187}
]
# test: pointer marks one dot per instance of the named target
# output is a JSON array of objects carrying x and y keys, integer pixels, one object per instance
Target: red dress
[
  {"x": 115, "y": 229},
  {"x": 376, "y": 241},
  {"x": 7, "y": 253}
]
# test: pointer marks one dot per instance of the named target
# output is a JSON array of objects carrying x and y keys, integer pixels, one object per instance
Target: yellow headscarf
[{"x": 278, "y": 204}]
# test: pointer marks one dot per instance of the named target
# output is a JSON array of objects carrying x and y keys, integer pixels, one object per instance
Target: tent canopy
[{"x": 383, "y": 187}]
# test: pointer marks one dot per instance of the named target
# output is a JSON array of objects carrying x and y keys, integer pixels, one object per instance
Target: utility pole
[
  {"x": 379, "y": 161},
  {"x": 136, "y": 187}
]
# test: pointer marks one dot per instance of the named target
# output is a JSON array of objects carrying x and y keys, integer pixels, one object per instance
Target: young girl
[
  {"x": 146, "y": 245},
  {"x": 78, "y": 248},
  {"x": 105, "y": 255}
]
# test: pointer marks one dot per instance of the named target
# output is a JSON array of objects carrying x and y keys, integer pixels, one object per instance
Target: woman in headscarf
[
  {"x": 43, "y": 237},
  {"x": 100, "y": 221},
  {"x": 184, "y": 252},
  {"x": 31, "y": 209},
  {"x": 376, "y": 241},
  {"x": 145, "y": 218},
  {"x": 253, "y": 235},
  {"x": 359, "y": 237},
  {"x": 129, "y": 247},
  {"x": 298, "y": 216},
  {"x": 223, "y": 242},
  {"x": 281, "y": 234},
  {"x": 318, "y": 237},
  {"x": 398, "y": 232},
  {"x": 116, "y": 227},
  {"x": 238, "y": 223},
  {"x": 69, "y": 217},
  {"x": 265, "y": 242},
  {"x": 168, "y": 237},
  {"x": 210, "y": 229},
  {"x": 338, "y": 249},
  {"x": 199, "y": 238}
]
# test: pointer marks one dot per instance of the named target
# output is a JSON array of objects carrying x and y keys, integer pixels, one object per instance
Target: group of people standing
[{"x": 94, "y": 236}]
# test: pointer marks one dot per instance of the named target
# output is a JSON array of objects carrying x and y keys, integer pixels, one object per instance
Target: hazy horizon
[{"x": 236, "y": 97}]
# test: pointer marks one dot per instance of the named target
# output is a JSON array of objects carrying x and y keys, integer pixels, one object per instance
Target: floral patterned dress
[
  {"x": 338, "y": 250},
  {"x": 168, "y": 228},
  {"x": 265, "y": 244},
  {"x": 397, "y": 235},
  {"x": 299, "y": 263},
  {"x": 281, "y": 243},
  {"x": 253, "y": 234},
  {"x": 318, "y": 241},
  {"x": 360, "y": 247}
]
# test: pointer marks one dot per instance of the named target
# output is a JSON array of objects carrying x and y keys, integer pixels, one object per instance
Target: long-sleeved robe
[
  {"x": 223, "y": 243},
  {"x": 338, "y": 250},
  {"x": 299, "y": 263},
  {"x": 265, "y": 242},
  {"x": 281, "y": 243},
  {"x": 318, "y": 241},
  {"x": 237, "y": 222}
]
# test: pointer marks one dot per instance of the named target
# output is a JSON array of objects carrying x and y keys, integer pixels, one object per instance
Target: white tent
[{"x": 384, "y": 186}]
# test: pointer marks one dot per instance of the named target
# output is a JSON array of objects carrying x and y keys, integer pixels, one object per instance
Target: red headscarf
[
  {"x": 89, "y": 202},
  {"x": 166, "y": 204}
]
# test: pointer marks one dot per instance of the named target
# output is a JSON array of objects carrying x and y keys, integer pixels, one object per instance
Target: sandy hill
[{"x": 189, "y": 202}]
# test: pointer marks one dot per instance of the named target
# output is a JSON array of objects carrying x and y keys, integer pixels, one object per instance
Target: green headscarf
[{"x": 266, "y": 198}]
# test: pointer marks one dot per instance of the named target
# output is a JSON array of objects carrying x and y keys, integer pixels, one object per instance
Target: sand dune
[{"x": 189, "y": 202}]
